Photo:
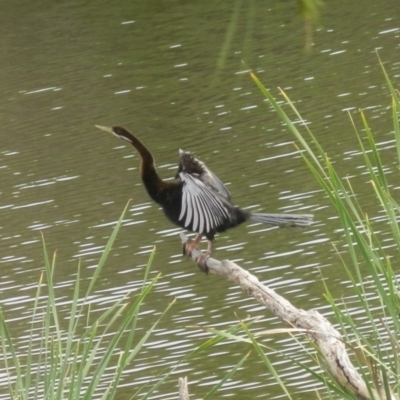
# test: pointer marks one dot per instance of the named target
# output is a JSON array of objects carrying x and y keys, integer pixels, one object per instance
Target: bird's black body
[
  {"x": 170, "y": 197},
  {"x": 189, "y": 165},
  {"x": 196, "y": 199}
]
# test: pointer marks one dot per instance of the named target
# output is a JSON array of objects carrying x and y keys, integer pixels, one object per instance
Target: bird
[{"x": 196, "y": 199}]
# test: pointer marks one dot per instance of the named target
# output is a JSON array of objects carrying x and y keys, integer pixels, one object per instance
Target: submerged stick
[
  {"x": 183, "y": 389},
  {"x": 315, "y": 326}
]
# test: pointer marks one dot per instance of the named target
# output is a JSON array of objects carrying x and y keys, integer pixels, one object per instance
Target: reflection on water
[{"x": 152, "y": 68}]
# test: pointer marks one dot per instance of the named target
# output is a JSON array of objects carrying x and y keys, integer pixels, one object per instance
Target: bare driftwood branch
[
  {"x": 318, "y": 329},
  {"x": 183, "y": 389}
]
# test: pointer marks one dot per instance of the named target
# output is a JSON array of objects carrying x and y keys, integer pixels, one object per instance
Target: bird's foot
[
  {"x": 188, "y": 247},
  {"x": 201, "y": 262}
]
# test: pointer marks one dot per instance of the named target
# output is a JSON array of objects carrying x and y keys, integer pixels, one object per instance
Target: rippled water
[{"x": 173, "y": 75}]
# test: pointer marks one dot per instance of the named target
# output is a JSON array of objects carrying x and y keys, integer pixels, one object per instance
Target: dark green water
[{"x": 175, "y": 73}]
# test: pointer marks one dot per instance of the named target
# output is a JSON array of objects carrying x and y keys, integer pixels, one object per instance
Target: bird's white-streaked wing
[
  {"x": 190, "y": 163},
  {"x": 216, "y": 183},
  {"x": 206, "y": 216},
  {"x": 202, "y": 210},
  {"x": 196, "y": 213}
]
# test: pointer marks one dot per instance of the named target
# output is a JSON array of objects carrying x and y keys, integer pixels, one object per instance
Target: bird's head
[
  {"x": 117, "y": 131},
  {"x": 183, "y": 153}
]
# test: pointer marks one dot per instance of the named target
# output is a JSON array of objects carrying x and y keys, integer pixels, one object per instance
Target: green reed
[
  {"x": 367, "y": 262},
  {"x": 84, "y": 356}
]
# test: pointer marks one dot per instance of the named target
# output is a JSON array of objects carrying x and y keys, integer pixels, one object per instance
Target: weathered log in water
[
  {"x": 312, "y": 323},
  {"x": 183, "y": 389}
]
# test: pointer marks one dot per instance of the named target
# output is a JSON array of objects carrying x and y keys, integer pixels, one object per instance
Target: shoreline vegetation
[{"x": 86, "y": 356}]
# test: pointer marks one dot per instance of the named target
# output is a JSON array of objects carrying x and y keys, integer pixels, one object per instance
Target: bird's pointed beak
[{"x": 105, "y": 129}]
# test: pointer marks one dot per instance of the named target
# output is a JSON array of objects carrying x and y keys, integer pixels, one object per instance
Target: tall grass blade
[
  {"x": 365, "y": 248},
  {"x": 73, "y": 354},
  {"x": 226, "y": 377},
  {"x": 266, "y": 361},
  {"x": 106, "y": 251}
]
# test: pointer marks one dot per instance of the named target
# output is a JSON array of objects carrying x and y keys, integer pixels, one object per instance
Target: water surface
[{"x": 176, "y": 74}]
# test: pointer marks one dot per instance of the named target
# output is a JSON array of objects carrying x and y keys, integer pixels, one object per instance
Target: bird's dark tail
[{"x": 283, "y": 220}]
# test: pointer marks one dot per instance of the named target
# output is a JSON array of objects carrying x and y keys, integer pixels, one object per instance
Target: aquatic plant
[
  {"x": 368, "y": 259},
  {"x": 69, "y": 351}
]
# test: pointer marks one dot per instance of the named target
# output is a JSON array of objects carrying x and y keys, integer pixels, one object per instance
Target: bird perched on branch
[{"x": 196, "y": 199}]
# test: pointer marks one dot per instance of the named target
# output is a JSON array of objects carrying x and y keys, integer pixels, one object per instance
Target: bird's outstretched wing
[
  {"x": 202, "y": 209},
  {"x": 212, "y": 180},
  {"x": 193, "y": 166}
]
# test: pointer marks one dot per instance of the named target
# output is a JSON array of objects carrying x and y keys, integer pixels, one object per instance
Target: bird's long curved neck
[
  {"x": 150, "y": 177},
  {"x": 147, "y": 163}
]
